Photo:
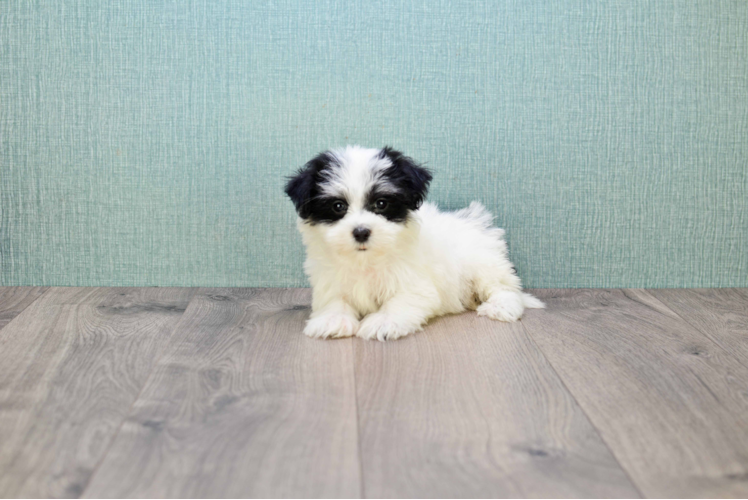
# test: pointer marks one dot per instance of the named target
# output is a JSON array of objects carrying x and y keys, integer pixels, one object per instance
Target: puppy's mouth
[{"x": 361, "y": 248}]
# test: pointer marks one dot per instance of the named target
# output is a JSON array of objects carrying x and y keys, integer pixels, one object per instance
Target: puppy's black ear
[
  {"x": 407, "y": 175},
  {"x": 302, "y": 188}
]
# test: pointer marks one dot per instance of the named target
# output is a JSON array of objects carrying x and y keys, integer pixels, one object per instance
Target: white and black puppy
[{"x": 381, "y": 262}]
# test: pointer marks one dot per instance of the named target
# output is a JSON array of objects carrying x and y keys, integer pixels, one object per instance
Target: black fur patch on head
[
  {"x": 396, "y": 208},
  {"x": 303, "y": 189},
  {"x": 410, "y": 179}
]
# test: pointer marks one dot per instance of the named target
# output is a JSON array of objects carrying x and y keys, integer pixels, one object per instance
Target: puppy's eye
[
  {"x": 380, "y": 204},
  {"x": 339, "y": 207}
]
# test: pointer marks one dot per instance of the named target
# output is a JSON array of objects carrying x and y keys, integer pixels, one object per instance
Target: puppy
[{"x": 381, "y": 262}]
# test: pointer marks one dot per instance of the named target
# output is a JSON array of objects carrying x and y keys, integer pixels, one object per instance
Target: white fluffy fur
[{"x": 435, "y": 263}]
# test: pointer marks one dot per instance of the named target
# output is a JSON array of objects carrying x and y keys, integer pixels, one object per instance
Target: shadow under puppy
[{"x": 381, "y": 262}]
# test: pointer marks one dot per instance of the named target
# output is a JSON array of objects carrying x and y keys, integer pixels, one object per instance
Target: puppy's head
[{"x": 357, "y": 200}]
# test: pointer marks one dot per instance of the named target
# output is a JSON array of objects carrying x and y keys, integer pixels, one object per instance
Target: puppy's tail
[
  {"x": 477, "y": 214},
  {"x": 532, "y": 302}
]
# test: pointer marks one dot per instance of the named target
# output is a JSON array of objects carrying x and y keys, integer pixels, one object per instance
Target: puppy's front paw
[
  {"x": 332, "y": 325},
  {"x": 503, "y": 306},
  {"x": 381, "y": 327}
]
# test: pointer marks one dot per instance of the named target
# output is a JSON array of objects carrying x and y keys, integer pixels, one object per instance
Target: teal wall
[{"x": 145, "y": 142}]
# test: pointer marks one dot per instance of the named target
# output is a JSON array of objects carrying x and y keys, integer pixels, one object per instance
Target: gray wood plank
[
  {"x": 719, "y": 313},
  {"x": 243, "y": 405},
  {"x": 471, "y": 408},
  {"x": 14, "y": 299},
  {"x": 670, "y": 403},
  {"x": 71, "y": 365}
]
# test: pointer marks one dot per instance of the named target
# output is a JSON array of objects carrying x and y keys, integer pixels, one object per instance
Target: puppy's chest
[{"x": 367, "y": 289}]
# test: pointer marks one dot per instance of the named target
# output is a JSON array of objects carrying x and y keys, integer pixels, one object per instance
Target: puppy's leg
[
  {"x": 403, "y": 314},
  {"x": 502, "y": 296},
  {"x": 335, "y": 320},
  {"x": 505, "y": 304},
  {"x": 502, "y": 305}
]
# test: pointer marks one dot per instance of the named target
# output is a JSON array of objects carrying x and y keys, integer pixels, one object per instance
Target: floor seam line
[
  {"x": 135, "y": 400},
  {"x": 697, "y": 329},
  {"x": 27, "y": 306},
  {"x": 362, "y": 489},
  {"x": 587, "y": 416}
]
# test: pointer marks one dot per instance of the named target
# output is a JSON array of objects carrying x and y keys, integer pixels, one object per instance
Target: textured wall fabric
[{"x": 145, "y": 143}]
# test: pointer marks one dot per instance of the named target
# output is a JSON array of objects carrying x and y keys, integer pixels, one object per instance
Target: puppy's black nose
[{"x": 361, "y": 234}]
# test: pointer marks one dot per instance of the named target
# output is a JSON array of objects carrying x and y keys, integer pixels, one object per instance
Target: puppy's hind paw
[
  {"x": 502, "y": 306},
  {"x": 334, "y": 325},
  {"x": 379, "y": 326}
]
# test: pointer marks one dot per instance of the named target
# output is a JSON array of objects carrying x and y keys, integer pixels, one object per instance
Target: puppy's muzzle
[{"x": 361, "y": 234}]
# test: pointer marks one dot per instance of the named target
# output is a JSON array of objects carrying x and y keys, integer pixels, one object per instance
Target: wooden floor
[{"x": 167, "y": 392}]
